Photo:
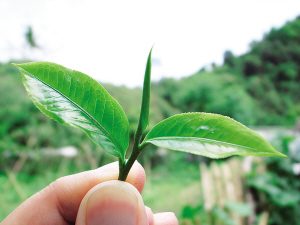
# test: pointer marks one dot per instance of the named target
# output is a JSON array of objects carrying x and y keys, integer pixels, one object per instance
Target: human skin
[{"x": 91, "y": 197}]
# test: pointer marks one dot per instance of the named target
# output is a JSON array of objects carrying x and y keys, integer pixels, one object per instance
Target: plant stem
[
  {"x": 126, "y": 168},
  {"x": 136, "y": 150},
  {"x": 121, "y": 167}
]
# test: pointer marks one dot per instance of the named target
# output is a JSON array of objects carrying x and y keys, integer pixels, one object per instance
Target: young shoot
[{"x": 73, "y": 98}]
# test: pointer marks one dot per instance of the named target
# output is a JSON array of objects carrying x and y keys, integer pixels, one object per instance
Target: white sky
[{"x": 110, "y": 40}]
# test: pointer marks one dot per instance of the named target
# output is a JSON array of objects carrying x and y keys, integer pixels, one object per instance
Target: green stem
[
  {"x": 121, "y": 167},
  {"x": 136, "y": 150},
  {"x": 126, "y": 168}
]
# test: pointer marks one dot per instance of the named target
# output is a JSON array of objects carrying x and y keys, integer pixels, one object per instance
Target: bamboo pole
[
  {"x": 208, "y": 192},
  {"x": 219, "y": 188},
  {"x": 264, "y": 218},
  {"x": 207, "y": 187},
  {"x": 219, "y": 184},
  {"x": 230, "y": 191},
  {"x": 236, "y": 170}
]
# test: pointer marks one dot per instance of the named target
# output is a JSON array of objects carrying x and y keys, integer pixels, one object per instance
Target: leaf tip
[
  {"x": 18, "y": 65},
  {"x": 152, "y": 48},
  {"x": 15, "y": 64},
  {"x": 276, "y": 153},
  {"x": 279, "y": 154}
]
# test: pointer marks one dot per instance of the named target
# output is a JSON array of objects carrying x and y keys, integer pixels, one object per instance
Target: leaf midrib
[
  {"x": 173, "y": 138},
  {"x": 80, "y": 108}
]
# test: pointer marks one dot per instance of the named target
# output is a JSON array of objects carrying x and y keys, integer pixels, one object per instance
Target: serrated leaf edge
[{"x": 75, "y": 105}]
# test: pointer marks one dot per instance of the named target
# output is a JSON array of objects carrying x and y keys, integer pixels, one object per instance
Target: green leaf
[
  {"x": 211, "y": 135},
  {"x": 75, "y": 99},
  {"x": 144, "y": 116}
]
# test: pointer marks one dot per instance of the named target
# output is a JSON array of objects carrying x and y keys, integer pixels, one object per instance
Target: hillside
[{"x": 260, "y": 87}]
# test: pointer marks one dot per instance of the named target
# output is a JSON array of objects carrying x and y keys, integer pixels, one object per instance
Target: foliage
[
  {"x": 77, "y": 100},
  {"x": 249, "y": 88},
  {"x": 210, "y": 92},
  {"x": 23, "y": 127},
  {"x": 276, "y": 189}
]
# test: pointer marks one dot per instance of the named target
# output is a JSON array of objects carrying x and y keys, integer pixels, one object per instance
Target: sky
[{"x": 110, "y": 40}]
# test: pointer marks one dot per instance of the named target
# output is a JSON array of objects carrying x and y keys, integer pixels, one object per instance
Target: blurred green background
[{"x": 260, "y": 89}]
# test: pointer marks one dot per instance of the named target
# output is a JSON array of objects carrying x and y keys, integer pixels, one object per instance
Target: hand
[{"x": 91, "y": 197}]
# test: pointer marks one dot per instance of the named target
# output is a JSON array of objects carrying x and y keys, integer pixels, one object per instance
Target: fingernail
[
  {"x": 164, "y": 216},
  {"x": 111, "y": 205}
]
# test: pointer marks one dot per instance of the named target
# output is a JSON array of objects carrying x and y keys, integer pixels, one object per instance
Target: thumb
[{"x": 111, "y": 203}]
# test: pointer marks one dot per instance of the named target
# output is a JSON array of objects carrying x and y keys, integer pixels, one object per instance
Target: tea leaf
[
  {"x": 144, "y": 117},
  {"x": 210, "y": 135},
  {"x": 75, "y": 99}
]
